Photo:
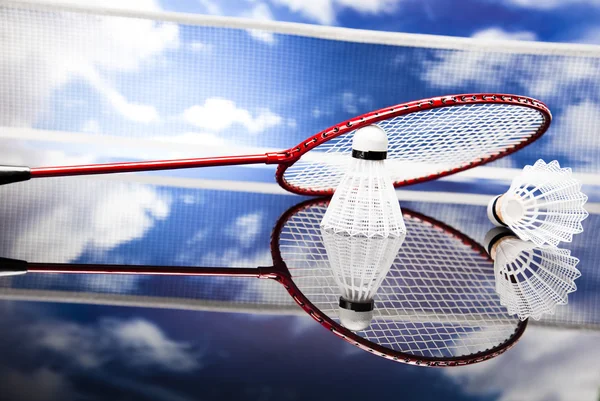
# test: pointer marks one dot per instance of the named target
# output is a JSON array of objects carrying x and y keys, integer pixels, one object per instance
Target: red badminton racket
[
  {"x": 436, "y": 307},
  {"x": 428, "y": 139}
]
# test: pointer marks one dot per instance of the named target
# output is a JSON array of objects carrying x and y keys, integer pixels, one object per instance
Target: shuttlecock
[
  {"x": 363, "y": 227},
  {"x": 544, "y": 205},
  {"x": 530, "y": 279}
]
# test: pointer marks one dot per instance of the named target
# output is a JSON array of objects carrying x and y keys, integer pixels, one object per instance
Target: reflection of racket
[
  {"x": 428, "y": 139},
  {"x": 436, "y": 307}
]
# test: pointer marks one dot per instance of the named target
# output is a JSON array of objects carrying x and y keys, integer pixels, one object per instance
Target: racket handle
[
  {"x": 12, "y": 267},
  {"x": 11, "y": 174}
]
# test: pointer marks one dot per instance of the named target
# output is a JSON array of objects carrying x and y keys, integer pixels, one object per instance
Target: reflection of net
[
  {"x": 425, "y": 143},
  {"x": 438, "y": 299}
]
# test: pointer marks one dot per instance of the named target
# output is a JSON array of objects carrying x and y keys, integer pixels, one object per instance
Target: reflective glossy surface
[{"x": 81, "y": 88}]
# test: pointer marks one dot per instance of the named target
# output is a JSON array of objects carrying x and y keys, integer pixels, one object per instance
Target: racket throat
[
  {"x": 280, "y": 158},
  {"x": 273, "y": 272}
]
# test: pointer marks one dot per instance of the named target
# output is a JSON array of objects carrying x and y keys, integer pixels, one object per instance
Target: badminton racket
[
  {"x": 428, "y": 139},
  {"x": 436, "y": 307}
]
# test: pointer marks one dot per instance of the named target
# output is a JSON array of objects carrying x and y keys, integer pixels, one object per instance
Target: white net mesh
[
  {"x": 438, "y": 299},
  {"x": 531, "y": 280},
  {"x": 147, "y": 70},
  {"x": 365, "y": 203},
  {"x": 425, "y": 143},
  {"x": 544, "y": 204}
]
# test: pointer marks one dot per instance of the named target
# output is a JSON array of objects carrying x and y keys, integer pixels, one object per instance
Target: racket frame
[
  {"x": 288, "y": 157},
  {"x": 280, "y": 273}
]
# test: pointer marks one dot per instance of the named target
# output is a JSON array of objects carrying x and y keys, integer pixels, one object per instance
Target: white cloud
[
  {"x": 198, "y": 237},
  {"x": 261, "y": 12},
  {"x": 325, "y": 11},
  {"x": 349, "y": 102},
  {"x": 320, "y": 11},
  {"x": 132, "y": 111},
  {"x": 121, "y": 216},
  {"x": 91, "y": 126},
  {"x": 352, "y": 103},
  {"x": 137, "y": 343},
  {"x": 57, "y": 219},
  {"x": 190, "y": 199},
  {"x": 562, "y": 77},
  {"x": 146, "y": 345},
  {"x": 551, "y": 4},
  {"x": 555, "y": 364},
  {"x": 559, "y": 78},
  {"x": 50, "y": 51},
  {"x": 580, "y": 124},
  {"x": 198, "y": 46},
  {"x": 211, "y": 7},
  {"x": 370, "y": 7},
  {"x": 590, "y": 36},
  {"x": 246, "y": 228},
  {"x": 500, "y": 34},
  {"x": 218, "y": 114}
]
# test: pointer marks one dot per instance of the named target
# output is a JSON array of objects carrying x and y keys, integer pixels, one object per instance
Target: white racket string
[
  {"x": 425, "y": 143},
  {"x": 438, "y": 300}
]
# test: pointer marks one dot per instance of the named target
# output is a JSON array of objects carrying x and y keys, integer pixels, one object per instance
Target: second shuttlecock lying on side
[
  {"x": 363, "y": 227},
  {"x": 544, "y": 205},
  {"x": 530, "y": 279}
]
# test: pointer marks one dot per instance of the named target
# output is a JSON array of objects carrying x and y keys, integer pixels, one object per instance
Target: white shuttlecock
[
  {"x": 530, "y": 279},
  {"x": 544, "y": 205},
  {"x": 364, "y": 207}
]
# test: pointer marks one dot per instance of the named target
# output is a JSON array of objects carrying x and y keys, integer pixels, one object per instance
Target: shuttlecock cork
[
  {"x": 544, "y": 204},
  {"x": 531, "y": 280},
  {"x": 363, "y": 228}
]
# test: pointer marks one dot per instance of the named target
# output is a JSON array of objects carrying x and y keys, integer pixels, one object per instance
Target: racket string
[
  {"x": 425, "y": 143},
  {"x": 438, "y": 300}
]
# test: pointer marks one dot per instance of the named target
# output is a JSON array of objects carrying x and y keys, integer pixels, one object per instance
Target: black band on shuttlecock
[
  {"x": 504, "y": 233},
  {"x": 359, "y": 154},
  {"x": 496, "y": 214},
  {"x": 357, "y": 306}
]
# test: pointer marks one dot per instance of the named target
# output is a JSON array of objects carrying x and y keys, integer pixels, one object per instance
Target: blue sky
[{"x": 207, "y": 91}]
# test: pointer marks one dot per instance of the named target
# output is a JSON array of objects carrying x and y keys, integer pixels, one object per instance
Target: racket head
[
  {"x": 410, "y": 324},
  {"x": 483, "y": 127}
]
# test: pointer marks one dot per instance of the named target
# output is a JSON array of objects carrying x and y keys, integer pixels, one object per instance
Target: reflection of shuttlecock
[
  {"x": 544, "y": 205},
  {"x": 365, "y": 217},
  {"x": 359, "y": 265},
  {"x": 530, "y": 279}
]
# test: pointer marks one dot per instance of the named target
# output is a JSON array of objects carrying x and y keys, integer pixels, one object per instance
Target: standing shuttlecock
[
  {"x": 363, "y": 227},
  {"x": 544, "y": 205},
  {"x": 530, "y": 279}
]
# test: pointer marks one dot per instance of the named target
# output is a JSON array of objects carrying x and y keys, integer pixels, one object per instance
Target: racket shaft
[
  {"x": 128, "y": 167},
  {"x": 143, "y": 270}
]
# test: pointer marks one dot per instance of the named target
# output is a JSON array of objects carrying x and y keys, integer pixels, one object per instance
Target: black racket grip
[
  {"x": 11, "y": 267},
  {"x": 10, "y": 174}
]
